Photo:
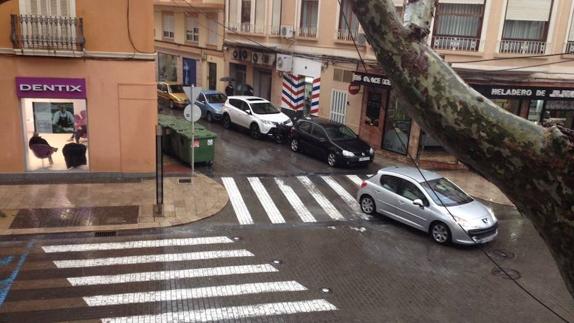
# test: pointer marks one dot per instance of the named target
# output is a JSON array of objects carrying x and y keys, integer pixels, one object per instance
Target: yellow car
[{"x": 171, "y": 95}]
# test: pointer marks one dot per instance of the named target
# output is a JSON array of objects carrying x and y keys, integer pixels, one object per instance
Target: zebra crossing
[
  {"x": 298, "y": 199},
  {"x": 199, "y": 279}
]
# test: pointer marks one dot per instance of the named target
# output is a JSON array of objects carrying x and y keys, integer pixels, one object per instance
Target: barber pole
[
  {"x": 315, "y": 95},
  {"x": 293, "y": 92}
]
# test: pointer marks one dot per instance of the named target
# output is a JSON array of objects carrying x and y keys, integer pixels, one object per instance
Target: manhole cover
[
  {"x": 508, "y": 273},
  {"x": 503, "y": 254}
]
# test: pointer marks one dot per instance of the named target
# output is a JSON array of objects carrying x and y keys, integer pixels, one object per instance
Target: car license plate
[{"x": 364, "y": 158}]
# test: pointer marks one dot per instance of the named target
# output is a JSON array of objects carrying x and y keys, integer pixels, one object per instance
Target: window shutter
[
  {"x": 528, "y": 10},
  {"x": 233, "y": 9},
  {"x": 65, "y": 8},
  {"x": 276, "y": 16},
  {"x": 34, "y": 10},
  {"x": 260, "y": 13}
]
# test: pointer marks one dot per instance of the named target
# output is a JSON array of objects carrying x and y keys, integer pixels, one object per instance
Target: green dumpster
[{"x": 176, "y": 140}]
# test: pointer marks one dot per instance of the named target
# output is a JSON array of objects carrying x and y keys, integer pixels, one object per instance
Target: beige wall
[{"x": 121, "y": 104}]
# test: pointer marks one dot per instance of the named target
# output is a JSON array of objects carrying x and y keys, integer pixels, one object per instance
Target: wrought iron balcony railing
[
  {"x": 468, "y": 44},
  {"x": 526, "y": 47},
  {"x": 51, "y": 33}
]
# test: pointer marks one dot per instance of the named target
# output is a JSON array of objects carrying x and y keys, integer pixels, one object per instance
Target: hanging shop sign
[
  {"x": 50, "y": 88},
  {"x": 524, "y": 92},
  {"x": 372, "y": 80}
]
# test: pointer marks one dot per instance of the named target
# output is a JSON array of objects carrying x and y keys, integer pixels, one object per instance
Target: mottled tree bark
[{"x": 533, "y": 166}]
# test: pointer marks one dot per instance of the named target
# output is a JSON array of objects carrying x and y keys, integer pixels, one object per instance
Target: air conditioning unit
[
  {"x": 244, "y": 55},
  {"x": 256, "y": 58},
  {"x": 287, "y": 31},
  {"x": 268, "y": 59},
  {"x": 284, "y": 63},
  {"x": 361, "y": 39},
  {"x": 236, "y": 55}
]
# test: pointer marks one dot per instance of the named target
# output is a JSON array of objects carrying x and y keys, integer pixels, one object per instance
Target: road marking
[
  {"x": 266, "y": 201},
  {"x": 295, "y": 201},
  {"x": 348, "y": 198},
  {"x": 239, "y": 206},
  {"x": 136, "y": 244},
  {"x": 329, "y": 208},
  {"x": 194, "y": 293},
  {"x": 170, "y": 275},
  {"x": 233, "y": 312},
  {"x": 145, "y": 259},
  {"x": 355, "y": 179}
]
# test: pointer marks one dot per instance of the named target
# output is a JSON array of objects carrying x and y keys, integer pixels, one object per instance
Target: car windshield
[
  {"x": 216, "y": 98},
  {"x": 446, "y": 192},
  {"x": 176, "y": 88},
  {"x": 264, "y": 108},
  {"x": 340, "y": 132}
]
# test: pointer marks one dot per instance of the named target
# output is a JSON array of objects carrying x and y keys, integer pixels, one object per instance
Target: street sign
[{"x": 192, "y": 113}]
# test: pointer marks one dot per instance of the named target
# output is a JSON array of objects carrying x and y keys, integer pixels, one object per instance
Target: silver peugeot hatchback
[{"x": 431, "y": 203}]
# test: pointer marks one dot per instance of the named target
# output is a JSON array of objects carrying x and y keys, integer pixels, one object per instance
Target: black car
[{"x": 330, "y": 141}]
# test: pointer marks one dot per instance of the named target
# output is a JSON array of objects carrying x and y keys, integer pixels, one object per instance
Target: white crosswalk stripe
[
  {"x": 237, "y": 202},
  {"x": 266, "y": 200},
  {"x": 348, "y": 198},
  {"x": 355, "y": 179},
  {"x": 295, "y": 201},
  {"x": 321, "y": 199},
  {"x": 246, "y": 284}
]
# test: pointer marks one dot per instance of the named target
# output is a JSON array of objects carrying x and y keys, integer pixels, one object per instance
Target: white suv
[{"x": 258, "y": 115}]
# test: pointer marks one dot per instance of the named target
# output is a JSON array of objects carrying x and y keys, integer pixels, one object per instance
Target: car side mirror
[
  {"x": 419, "y": 203},
  {"x": 322, "y": 139}
]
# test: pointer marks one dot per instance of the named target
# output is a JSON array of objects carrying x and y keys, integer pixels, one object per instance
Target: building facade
[
  {"x": 80, "y": 75},
  {"x": 189, "y": 42},
  {"x": 519, "y": 53}
]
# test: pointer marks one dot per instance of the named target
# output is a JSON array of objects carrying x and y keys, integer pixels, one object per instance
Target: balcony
[
  {"x": 345, "y": 34},
  {"x": 525, "y": 47},
  {"x": 570, "y": 47},
  {"x": 308, "y": 32},
  {"x": 455, "y": 43},
  {"x": 47, "y": 33}
]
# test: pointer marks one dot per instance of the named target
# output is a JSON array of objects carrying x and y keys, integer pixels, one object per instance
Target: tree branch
[
  {"x": 532, "y": 165},
  {"x": 418, "y": 17}
]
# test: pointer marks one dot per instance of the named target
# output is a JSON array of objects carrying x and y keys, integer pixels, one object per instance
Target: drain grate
[
  {"x": 105, "y": 234},
  {"x": 185, "y": 180}
]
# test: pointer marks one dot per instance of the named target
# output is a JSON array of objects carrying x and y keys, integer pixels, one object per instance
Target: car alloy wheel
[
  {"x": 440, "y": 233},
  {"x": 209, "y": 117},
  {"x": 332, "y": 160},
  {"x": 226, "y": 122},
  {"x": 368, "y": 205},
  {"x": 295, "y": 145},
  {"x": 254, "y": 131}
]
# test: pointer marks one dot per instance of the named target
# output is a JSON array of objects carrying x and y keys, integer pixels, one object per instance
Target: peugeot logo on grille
[{"x": 485, "y": 220}]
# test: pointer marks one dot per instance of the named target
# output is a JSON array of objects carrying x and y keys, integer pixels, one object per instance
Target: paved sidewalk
[{"x": 54, "y": 208}]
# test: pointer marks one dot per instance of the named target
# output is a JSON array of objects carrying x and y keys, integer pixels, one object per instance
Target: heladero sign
[
  {"x": 50, "y": 88},
  {"x": 519, "y": 92}
]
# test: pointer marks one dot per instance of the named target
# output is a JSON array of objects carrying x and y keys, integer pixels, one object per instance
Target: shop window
[
  {"x": 168, "y": 26},
  {"x": 559, "y": 113},
  {"x": 373, "y": 112},
  {"x": 341, "y": 75},
  {"x": 535, "y": 111},
  {"x": 309, "y": 18},
  {"x": 167, "y": 67},
  {"x": 397, "y": 127},
  {"x": 526, "y": 26},
  {"x": 191, "y": 29},
  {"x": 457, "y": 26},
  {"x": 56, "y": 134},
  {"x": 512, "y": 106}
]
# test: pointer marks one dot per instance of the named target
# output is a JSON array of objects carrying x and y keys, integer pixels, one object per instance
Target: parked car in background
[
  {"x": 330, "y": 141},
  {"x": 258, "y": 115},
  {"x": 171, "y": 95},
  {"x": 428, "y": 202},
  {"x": 211, "y": 104}
]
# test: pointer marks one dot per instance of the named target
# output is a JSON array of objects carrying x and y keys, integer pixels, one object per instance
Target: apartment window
[
  {"x": 526, "y": 26},
  {"x": 233, "y": 10},
  {"x": 341, "y": 75},
  {"x": 192, "y": 29},
  {"x": 348, "y": 22},
  {"x": 48, "y": 8},
  {"x": 212, "y": 29},
  {"x": 259, "y": 16},
  {"x": 309, "y": 18},
  {"x": 245, "y": 15},
  {"x": 276, "y": 17},
  {"x": 458, "y": 25},
  {"x": 168, "y": 26}
]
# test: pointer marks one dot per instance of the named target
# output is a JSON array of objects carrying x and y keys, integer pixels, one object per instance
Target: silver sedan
[{"x": 431, "y": 203}]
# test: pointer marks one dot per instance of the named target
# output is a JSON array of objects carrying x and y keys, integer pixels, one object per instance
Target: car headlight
[
  {"x": 347, "y": 153},
  {"x": 288, "y": 123},
  {"x": 371, "y": 151},
  {"x": 268, "y": 123},
  {"x": 465, "y": 224}
]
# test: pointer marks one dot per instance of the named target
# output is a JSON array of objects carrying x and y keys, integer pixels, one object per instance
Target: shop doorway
[
  {"x": 338, "y": 106},
  {"x": 238, "y": 73},
  {"x": 55, "y": 134},
  {"x": 262, "y": 84},
  {"x": 212, "y": 76},
  {"x": 189, "y": 72}
]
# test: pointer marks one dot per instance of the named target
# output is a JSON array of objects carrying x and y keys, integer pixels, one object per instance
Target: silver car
[{"x": 436, "y": 206}]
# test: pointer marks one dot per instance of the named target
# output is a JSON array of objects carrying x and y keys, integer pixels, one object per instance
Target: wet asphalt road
[{"x": 306, "y": 268}]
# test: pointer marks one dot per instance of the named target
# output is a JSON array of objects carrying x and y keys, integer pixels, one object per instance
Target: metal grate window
[{"x": 338, "y": 106}]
